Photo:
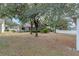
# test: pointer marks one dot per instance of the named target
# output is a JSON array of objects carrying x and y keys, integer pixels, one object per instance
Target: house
[
  {"x": 2, "y": 27},
  {"x": 71, "y": 23},
  {"x": 27, "y": 26},
  {"x": 7, "y": 25}
]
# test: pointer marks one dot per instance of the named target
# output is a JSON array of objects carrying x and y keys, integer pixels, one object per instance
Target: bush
[
  {"x": 12, "y": 31},
  {"x": 7, "y": 30},
  {"x": 45, "y": 30}
]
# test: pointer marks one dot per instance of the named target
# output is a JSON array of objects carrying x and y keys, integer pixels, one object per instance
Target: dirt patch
[{"x": 44, "y": 44}]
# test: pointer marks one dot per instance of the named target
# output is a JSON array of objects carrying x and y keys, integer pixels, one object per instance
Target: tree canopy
[{"x": 50, "y": 12}]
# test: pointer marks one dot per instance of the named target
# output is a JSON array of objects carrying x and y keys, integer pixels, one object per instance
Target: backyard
[
  {"x": 22, "y": 44},
  {"x": 38, "y": 29}
]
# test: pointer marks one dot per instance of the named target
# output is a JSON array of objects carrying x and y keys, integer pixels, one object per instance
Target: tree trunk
[
  {"x": 55, "y": 29},
  {"x": 31, "y": 27},
  {"x": 36, "y": 27},
  {"x": 36, "y": 32}
]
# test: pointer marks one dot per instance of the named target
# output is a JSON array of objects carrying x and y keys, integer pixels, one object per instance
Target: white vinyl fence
[
  {"x": 71, "y": 32},
  {"x": 77, "y": 39}
]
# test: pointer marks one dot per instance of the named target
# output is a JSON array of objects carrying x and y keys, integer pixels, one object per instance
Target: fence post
[{"x": 77, "y": 39}]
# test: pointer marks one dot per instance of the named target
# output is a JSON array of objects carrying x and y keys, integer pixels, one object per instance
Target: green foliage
[
  {"x": 12, "y": 30},
  {"x": 62, "y": 24},
  {"x": 45, "y": 30},
  {"x": 52, "y": 13},
  {"x": 23, "y": 11}
]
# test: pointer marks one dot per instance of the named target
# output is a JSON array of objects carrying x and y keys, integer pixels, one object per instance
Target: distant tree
[{"x": 62, "y": 25}]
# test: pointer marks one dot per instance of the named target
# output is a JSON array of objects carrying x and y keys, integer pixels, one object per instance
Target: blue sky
[{"x": 16, "y": 20}]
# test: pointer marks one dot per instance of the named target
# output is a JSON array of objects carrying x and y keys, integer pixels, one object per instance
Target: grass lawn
[{"x": 24, "y": 44}]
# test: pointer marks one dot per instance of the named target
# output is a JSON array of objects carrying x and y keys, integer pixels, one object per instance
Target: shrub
[
  {"x": 6, "y": 30},
  {"x": 45, "y": 30},
  {"x": 12, "y": 31}
]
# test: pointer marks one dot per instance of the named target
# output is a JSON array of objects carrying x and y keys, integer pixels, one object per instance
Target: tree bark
[
  {"x": 36, "y": 32},
  {"x": 55, "y": 29},
  {"x": 36, "y": 27},
  {"x": 31, "y": 27}
]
